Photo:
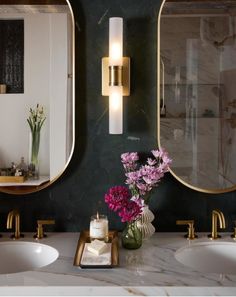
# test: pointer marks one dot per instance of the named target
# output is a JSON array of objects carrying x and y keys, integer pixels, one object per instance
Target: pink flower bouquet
[
  {"x": 119, "y": 200},
  {"x": 140, "y": 180}
]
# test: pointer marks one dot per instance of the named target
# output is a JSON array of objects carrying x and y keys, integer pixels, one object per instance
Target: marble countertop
[{"x": 149, "y": 271}]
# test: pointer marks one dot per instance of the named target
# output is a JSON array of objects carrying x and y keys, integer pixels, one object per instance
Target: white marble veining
[{"x": 150, "y": 270}]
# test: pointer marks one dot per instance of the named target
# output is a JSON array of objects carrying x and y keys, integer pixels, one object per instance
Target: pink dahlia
[
  {"x": 131, "y": 212},
  {"x": 117, "y": 197}
]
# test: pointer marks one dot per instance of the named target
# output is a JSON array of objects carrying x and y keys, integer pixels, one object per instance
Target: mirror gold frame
[
  {"x": 21, "y": 190},
  {"x": 204, "y": 190}
]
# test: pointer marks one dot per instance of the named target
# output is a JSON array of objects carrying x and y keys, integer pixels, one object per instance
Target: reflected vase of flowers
[
  {"x": 34, "y": 155},
  {"x": 35, "y": 121}
]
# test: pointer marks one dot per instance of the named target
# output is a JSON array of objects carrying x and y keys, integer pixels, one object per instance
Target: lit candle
[{"x": 98, "y": 227}]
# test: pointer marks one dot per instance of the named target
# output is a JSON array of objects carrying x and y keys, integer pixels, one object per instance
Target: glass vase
[
  {"x": 131, "y": 236},
  {"x": 34, "y": 156}
]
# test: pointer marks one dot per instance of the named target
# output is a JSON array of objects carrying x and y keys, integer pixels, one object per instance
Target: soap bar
[{"x": 97, "y": 247}]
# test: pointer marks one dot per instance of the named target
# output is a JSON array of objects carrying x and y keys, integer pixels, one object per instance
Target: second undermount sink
[
  {"x": 24, "y": 256},
  {"x": 216, "y": 257}
]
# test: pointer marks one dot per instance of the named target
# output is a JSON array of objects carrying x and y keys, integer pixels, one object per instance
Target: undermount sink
[
  {"x": 23, "y": 256},
  {"x": 216, "y": 257}
]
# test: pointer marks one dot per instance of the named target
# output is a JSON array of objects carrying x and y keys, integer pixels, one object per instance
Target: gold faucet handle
[
  {"x": 40, "y": 234},
  {"x": 234, "y": 233},
  {"x": 191, "y": 231}
]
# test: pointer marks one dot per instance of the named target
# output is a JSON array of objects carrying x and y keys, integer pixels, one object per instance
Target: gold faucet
[
  {"x": 217, "y": 215},
  {"x": 191, "y": 231},
  {"x": 234, "y": 234},
  {"x": 40, "y": 234},
  {"x": 14, "y": 214}
]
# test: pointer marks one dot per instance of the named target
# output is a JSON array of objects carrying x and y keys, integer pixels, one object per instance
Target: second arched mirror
[{"x": 196, "y": 92}]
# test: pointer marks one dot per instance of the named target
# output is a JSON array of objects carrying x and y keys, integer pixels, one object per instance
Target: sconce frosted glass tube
[
  {"x": 116, "y": 110},
  {"x": 115, "y": 41}
]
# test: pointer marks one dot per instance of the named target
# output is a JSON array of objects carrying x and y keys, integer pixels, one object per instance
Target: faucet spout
[
  {"x": 220, "y": 217},
  {"x": 14, "y": 214},
  {"x": 217, "y": 215}
]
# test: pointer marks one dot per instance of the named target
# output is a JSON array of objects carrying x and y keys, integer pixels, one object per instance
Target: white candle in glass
[{"x": 98, "y": 227}]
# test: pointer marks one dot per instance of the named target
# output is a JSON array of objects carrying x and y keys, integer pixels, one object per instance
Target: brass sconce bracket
[{"x": 115, "y": 76}]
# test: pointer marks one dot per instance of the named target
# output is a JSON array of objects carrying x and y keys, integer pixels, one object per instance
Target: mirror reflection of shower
[{"x": 198, "y": 48}]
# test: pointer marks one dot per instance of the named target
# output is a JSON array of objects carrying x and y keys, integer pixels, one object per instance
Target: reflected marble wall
[
  {"x": 227, "y": 142},
  {"x": 197, "y": 94}
]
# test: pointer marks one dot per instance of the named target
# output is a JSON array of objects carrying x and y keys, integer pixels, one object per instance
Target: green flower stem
[
  {"x": 131, "y": 236},
  {"x": 147, "y": 198},
  {"x": 132, "y": 228},
  {"x": 35, "y": 146}
]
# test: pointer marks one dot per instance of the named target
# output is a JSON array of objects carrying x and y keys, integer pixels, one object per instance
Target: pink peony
[
  {"x": 117, "y": 197},
  {"x": 131, "y": 212}
]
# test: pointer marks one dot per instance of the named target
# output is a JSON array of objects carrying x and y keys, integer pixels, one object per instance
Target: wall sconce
[{"x": 115, "y": 76}]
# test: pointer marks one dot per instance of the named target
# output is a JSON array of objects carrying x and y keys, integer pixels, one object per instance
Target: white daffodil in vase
[{"x": 35, "y": 120}]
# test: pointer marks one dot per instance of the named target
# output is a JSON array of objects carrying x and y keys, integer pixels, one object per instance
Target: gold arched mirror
[
  {"x": 197, "y": 92},
  {"x": 36, "y": 93}
]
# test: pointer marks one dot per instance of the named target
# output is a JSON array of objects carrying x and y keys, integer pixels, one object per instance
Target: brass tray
[
  {"x": 112, "y": 238},
  {"x": 12, "y": 179}
]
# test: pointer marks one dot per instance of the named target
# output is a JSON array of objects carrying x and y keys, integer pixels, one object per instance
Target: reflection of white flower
[{"x": 36, "y": 118}]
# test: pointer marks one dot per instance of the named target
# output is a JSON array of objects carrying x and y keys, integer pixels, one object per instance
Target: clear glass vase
[
  {"x": 34, "y": 156},
  {"x": 131, "y": 236}
]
